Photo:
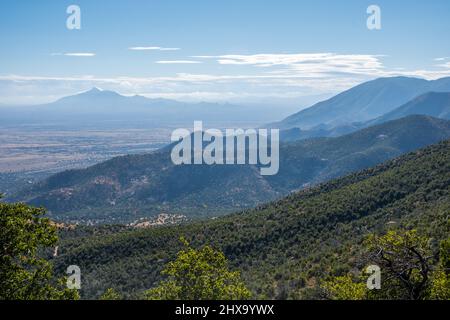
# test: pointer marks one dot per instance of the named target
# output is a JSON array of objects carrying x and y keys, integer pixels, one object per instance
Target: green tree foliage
[
  {"x": 405, "y": 259},
  {"x": 110, "y": 294},
  {"x": 199, "y": 275},
  {"x": 23, "y": 273},
  {"x": 344, "y": 288},
  {"x": 440, "y": 289}
]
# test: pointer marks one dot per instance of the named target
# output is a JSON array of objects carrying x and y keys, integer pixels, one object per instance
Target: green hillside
[{"x": 284, "y": 248}]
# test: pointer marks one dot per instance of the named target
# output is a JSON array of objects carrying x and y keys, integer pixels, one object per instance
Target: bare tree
[{"x": 405, "y": 260}]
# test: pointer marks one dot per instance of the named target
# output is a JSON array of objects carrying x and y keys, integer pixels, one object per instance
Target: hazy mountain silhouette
[
  {"x": 435, "y": 104},
  {"x": 101, "y": 105},
  {"x": 364, "y": 102}
]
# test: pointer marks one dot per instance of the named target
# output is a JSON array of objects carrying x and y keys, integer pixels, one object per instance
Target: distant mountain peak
[
  {"x": 91, "y": 98},
  {"x": 94, "y": 90},
  {"x": 97, "y": 90}
]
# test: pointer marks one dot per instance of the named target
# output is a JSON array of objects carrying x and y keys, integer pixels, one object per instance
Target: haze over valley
[{"x": 140, "y": 180}]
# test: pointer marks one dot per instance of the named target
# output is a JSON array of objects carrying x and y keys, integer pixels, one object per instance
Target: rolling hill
[
  {"x": 126, "y": 188},
  {"x": 285, "y": 248}
]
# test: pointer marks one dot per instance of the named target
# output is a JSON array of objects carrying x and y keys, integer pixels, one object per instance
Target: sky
[{"x": 197, "y": 50}]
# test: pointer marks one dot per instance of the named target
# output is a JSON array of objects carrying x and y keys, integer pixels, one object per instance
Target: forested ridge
[
  {"x": 124, "y": 189},
  {"x": 283, "y": 249}
]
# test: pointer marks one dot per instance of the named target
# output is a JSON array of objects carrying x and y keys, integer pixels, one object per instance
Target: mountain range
[
  {"x": 435, "y": 104},
  {"x": 98, "y": 105},
  {"x": 362, "y": 103},
  {"x": 134, "y": 186}
]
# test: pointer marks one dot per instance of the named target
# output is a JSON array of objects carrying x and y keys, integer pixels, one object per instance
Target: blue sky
[{"x": 238, "y": 51}]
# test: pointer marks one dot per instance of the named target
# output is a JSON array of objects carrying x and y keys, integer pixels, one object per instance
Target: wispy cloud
[
  {"x": 153, "y": 48},
  {"x": 178, "y": 62},
  {"x": 445, "y": 65},
  {"x": 80, "y": 54},
  {"x": 75, "y": 54},
  {"x": 442, "y": 59},
  {"x": 313, "y": 64}
]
